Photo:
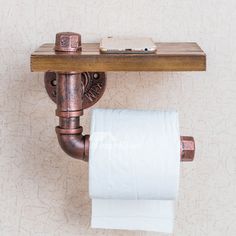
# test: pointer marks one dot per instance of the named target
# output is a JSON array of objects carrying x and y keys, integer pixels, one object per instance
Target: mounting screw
[
  {"x": 68, "y": 42},
  {"x": 95, "y": 75},
  {"x": 54, "y": 82}
]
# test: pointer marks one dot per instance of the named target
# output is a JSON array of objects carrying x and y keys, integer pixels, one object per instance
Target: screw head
[
  {"x": 68, "y": 42},
  {"x": 187, "y": 148}
]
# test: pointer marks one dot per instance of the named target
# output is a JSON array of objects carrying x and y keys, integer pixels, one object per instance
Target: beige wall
[{"x": 44, "y": 192}]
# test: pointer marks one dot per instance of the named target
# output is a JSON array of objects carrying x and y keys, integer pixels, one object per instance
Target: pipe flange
[{"x": 93, "y": 84}]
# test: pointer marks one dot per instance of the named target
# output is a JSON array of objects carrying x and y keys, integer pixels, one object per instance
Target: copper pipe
[
  {"x": 74, "y": 145},
  {"x": 69, "y": 110},
  {"x": 69, "y": 100}
]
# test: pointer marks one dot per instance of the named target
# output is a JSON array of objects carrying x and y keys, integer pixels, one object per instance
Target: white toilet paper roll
[{"x": 134, "y": 161}]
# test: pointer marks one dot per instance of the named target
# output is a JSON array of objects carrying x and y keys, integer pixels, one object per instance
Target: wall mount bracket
[{"x": 93, "y": 87}]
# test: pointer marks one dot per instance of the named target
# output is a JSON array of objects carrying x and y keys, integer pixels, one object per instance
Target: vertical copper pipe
[
  {"x": 69, "y": 89},
  {"x": 69, "y": 123},
  {"x": 69, "y": 110}
]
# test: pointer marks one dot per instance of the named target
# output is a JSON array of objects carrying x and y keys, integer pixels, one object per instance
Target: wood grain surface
[{"x": 168, "y": 57}]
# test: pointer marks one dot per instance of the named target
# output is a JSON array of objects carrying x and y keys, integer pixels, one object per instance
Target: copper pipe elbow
[{"x": 74, "y": 144}]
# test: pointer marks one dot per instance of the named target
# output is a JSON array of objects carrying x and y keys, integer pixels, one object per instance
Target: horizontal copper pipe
[{"x": 76, "y": 145}]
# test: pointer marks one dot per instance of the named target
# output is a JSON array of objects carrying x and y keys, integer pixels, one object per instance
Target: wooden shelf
[{"x": 169, "y": 57}]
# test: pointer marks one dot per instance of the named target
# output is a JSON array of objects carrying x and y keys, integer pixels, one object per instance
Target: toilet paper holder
[{"x": 74, "y": 91}]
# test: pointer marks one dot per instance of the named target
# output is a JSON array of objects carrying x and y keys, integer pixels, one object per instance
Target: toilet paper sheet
[{"x": 134, "y": 169}]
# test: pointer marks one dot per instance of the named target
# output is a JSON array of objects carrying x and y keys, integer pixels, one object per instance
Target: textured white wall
[{"x": 43, "y": 192}]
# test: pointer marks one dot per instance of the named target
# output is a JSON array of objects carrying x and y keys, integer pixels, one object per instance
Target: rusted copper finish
[
  {"x": 73, "y": 145},
  {"x": 93, "y": 86},
  {"x": 72, "y": 93},
  {"x": 69, "y": 131},
  {"x": 187, "y": 148},
  {"x": 72, "y": 123},
  {"x": 86, "y": 148},
  {"x": 67, "y": 114},
  {"x": 69, "y": 90},
  {"x": 69, "y": 109},
  {"x": 68, "y": 42},
  {"x": 50, "y": 83}
]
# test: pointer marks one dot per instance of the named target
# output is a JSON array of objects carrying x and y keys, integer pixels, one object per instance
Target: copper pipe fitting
[
  {"x": 69, "y": 110},
  {"x": 73, "y": 143},
  {"x": 187, "y": 148},
  {"x": 68, "y": 42}
]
